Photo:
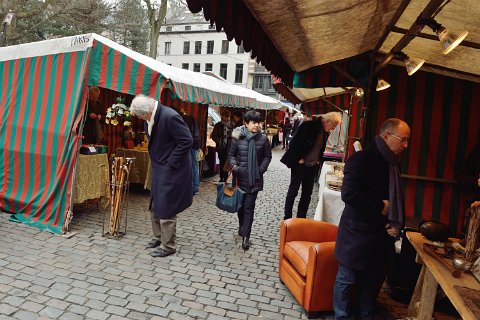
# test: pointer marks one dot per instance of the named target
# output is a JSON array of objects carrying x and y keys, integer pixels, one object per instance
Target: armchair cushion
[{"x": 296, "y": 253}]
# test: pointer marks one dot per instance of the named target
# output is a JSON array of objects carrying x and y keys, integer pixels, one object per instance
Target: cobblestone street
[{"x": 87, "y": 276}]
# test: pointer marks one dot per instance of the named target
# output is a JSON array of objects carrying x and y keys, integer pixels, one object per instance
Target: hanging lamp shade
[
  {"x": 413, "y": 64},
  {"x": 450, "y": 40},
  {"x": 382, "y": 84}
]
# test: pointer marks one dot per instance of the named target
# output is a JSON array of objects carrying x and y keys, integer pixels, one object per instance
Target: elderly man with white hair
[
  {"x": 303, "y": 157},
  {"x": 170, "y": 142}
]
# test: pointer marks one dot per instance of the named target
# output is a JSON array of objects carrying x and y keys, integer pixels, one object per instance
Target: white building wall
[{"x": 201, "y": 32}]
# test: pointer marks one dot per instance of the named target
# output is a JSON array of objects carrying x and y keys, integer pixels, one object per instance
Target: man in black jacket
[
  {"x": 193, "y": 127},
  {"x": 221, "y": 134},
  {"x": 372, "y": 218},
  {"x": 303, "y": 158}
]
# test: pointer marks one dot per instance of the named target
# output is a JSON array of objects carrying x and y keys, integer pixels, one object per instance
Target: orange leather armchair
[{"x": 307, "y": 265}]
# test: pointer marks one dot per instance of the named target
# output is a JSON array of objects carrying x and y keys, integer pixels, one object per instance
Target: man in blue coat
[
  {"x": 371, "y": 220},
  {"x": 170, "y": 142}
]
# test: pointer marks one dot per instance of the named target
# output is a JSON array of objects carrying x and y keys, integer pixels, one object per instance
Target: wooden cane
[
  {"x": 112, "y": 193},
  {"x": 428, "y": 249},
  {"x": 118, "y": 194}
]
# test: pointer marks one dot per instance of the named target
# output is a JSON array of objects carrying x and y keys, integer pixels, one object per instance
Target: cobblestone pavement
[{"x": 88, "y": 276}]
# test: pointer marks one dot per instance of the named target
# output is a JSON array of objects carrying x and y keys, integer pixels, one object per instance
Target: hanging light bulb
[
  {"x": 382, "y": 84},
  {"x": 359, "y": 92},
  {"x": 412, "y": 64},
  {"x": 448, "y": 40}
]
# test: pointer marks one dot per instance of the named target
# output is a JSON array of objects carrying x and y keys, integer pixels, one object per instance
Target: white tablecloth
[{"x": 330, "y": 205}]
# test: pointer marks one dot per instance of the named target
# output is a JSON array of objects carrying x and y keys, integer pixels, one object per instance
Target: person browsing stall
[
  {"x": 371, "y": 220},
  {"x": 170, "y": 143},
  {"x": 303, "y": 157}
]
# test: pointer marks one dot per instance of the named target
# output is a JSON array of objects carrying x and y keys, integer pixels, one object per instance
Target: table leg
[{"x": 423, "y": 299}]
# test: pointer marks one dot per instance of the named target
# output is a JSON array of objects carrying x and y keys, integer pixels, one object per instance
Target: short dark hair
[
  {"x": 238, "y": 114},
  {"x": 252, "y": 116}
]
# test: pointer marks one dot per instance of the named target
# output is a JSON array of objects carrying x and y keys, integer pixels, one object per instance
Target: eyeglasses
[{"x": 402, "y": 140}]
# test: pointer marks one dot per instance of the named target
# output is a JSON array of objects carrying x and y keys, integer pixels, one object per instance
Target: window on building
[
  {"x": 198, "y": 47},
  {"x": 168, "y": 47},
  {"x": 186, "y": 47},
  {"x": 208, "y": 67},
  {"x": 185, "y": 66},
  {"x": 223, "y": 70},
  {"x": 269, "y": 83},
  {"x": 188, "y": 28},
  {"x": 239, "y": 73},
  {"x": 240, "y": 48},
  {"x": 224, "y": 46},
  {"x": 210, "y": 47},
  {"x": 257, "y": 83},
  {"x": 196, "y": 67},
  {"x": 169, "y": 29}
]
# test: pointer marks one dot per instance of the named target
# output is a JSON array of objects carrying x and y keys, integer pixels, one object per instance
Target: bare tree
[
  {"x": 157, "y": 16},
  {"x": 43, "y": 19}
]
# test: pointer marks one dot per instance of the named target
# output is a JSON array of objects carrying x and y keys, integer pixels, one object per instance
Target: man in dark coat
[
  {"x": 303, "y": 157},
  {"x": 170, "y": 142},
  {"x": 221, "y": 134},
  {"x": 372, "y": 218}
]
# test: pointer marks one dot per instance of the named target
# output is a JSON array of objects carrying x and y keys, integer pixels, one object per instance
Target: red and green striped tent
[{"x": 43, "y": 92}]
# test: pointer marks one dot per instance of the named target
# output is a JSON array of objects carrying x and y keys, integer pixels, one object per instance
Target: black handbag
[{"x": 229, "y": 197}]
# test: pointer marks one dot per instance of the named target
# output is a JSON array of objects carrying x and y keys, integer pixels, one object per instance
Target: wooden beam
[
  {"x": 401, "y": 8},
  {"x": 427, "y": 13},
  {"x": 348, "y": 76},
  {"x": 464, "y": 43}
]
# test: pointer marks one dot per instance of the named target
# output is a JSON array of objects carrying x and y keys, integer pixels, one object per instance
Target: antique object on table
[
  {"x": 472, "y": 237},
  {"x": 118, "y": 194},
  {"x": 476, "y": 269},
  {"x": 431, "y": 250},
  {"x": 118, "y": 114},
  {"x": 461, "y": 264},
  {"x": 434, "y": 231}
]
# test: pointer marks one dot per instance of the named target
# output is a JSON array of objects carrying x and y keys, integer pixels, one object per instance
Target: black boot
[{"x": 246, "y": 243}]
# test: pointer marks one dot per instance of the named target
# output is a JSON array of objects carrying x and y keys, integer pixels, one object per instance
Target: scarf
[
  {"x": 396, "y": 214},
  {"x": 252, "y": 164},
  {"x": 152, "y": 120}
]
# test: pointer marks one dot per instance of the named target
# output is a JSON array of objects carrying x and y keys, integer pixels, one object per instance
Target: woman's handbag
[{"x": 229, "y": 198}]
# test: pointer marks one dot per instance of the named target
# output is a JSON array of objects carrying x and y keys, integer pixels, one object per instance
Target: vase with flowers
[{"x": 118, "y": 114}]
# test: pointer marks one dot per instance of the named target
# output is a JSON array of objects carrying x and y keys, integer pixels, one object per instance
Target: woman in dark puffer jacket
[{"x": 249, "y": 156}]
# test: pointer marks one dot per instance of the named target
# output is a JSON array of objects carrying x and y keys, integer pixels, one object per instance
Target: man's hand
[
  {"x": 392, "y": 231},
  {"x": 93, "y": 115},
  {"x": 385, "y": 207},
  {"x": 475, "y": 204},
  {"x": 301, "y": 161}
]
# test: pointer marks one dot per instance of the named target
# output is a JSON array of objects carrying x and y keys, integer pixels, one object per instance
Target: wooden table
[
  {"x": 433, "y": 274},
  {"x": 90, "y": 177}
]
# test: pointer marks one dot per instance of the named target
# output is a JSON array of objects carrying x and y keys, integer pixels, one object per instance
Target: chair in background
[{"x": 307, "y": 266}]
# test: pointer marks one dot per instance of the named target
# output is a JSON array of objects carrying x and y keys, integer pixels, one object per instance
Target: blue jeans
[
  {"x": 367, "y": 284},
  {"x": 196, "y": 177}
]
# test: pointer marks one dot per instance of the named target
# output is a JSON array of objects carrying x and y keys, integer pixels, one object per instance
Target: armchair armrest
[{"x": 321, "y": 274}]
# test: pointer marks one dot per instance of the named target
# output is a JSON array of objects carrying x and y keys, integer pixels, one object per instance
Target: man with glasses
[{"x": 371, "y": 220}]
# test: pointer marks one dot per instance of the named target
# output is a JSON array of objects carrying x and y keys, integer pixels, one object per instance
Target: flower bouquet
[{"x": 118, "y": 114}]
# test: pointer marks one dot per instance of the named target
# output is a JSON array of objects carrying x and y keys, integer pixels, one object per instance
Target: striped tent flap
[
  {"x": 41, "y": 104},
  {"x": 111, "y": 69}
]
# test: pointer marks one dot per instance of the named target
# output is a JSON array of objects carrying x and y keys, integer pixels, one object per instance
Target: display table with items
[
  {"x": 141, "y": 167},
  {"x": 445, "y": 268},
  {"x": 330, "y": 205},
  {"x": 90, "y": 177}
]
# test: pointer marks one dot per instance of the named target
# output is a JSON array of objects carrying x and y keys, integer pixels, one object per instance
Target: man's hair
[
  {"x": 389, "y": 124},
  {"x": 142, "y": 105},
  {"x": 225, "y": 113},
  {"x": 93, "y": 89},
  {"x": 238, "y": 114},
  {"x": 333, "y": 117},
  {"x": 252, "y": 116}
]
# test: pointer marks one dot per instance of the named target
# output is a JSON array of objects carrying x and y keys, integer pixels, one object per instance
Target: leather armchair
[{"x": 307, "y": 266}]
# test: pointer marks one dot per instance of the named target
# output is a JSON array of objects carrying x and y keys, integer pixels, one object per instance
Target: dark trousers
[
  {"x": 222, "y": 156},
  {"x": 367, "y": 284},
  {"x": 305, "y": 176},
  {"x": 245, "y": 214}
]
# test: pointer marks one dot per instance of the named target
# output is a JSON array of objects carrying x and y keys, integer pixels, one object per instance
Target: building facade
[{"x": 188, "y": 42}]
